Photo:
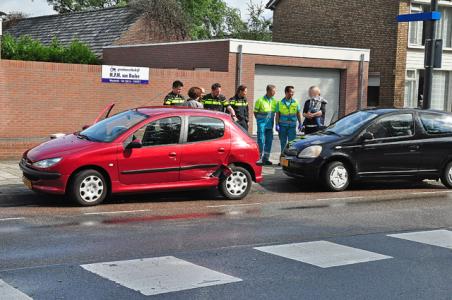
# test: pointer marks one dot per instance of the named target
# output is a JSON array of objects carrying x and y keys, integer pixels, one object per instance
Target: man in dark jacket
[
  {"x": 314, "y": 111},
  {"x": 175, "y": 97},
  {"x": 215, "y": 100},
  {"x": 239, "y": 105}
]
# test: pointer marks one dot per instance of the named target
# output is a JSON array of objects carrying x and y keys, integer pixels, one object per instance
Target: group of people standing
[{"x": 284, "y": 115}]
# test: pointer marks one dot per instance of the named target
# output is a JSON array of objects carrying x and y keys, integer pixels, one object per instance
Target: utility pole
[{"x": 429, "y": 58}]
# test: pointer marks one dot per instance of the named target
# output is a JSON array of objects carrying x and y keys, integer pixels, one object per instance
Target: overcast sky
[{"x": 40, "y": 7}]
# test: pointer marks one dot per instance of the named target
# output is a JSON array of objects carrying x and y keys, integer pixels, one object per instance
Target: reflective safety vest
[
  {"x": 240, "y": 106},
  {"x": 173, "y": 99},
  {"x": 288, "y": 110},
  {"x": 215, "y": 103},
  {"x": 264, "y": 110}
]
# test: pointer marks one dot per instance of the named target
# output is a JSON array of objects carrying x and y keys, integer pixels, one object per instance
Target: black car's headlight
[
  {"x": 310, "y": 152},
  {"x": 47, "y": 163}
]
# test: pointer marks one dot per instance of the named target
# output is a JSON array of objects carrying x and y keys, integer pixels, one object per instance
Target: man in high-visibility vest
[
  {"x": 175, "y": 98},
  {"x": 288, "y": 111},
  {"x": 264, "y": 112},
  {"x": 215, "y": 100}
]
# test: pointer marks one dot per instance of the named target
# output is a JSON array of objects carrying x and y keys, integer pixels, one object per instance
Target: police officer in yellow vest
[
  {"x": 175, "y": 97},
  {"x": 288, "y": 111},
  {"x": 239, "y": 105},
  {"x": 264, "y": 112},
  {"x": 215, "y": 100}
]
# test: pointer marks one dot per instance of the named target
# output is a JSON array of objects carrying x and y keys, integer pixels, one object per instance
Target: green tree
[{"x": 258, "y": 26}]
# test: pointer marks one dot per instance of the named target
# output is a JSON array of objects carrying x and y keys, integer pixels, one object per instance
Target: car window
[
  {"x": 204, "y": 129},
  {"x": 109, "y": 129},
  {"x": 348, "y": 125},
  {"x": 392, "y": 126},
  {"x": 161, "y": 132},
  {"x": 436, "y": 123}
]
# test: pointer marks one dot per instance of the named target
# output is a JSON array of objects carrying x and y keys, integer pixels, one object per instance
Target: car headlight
[
  {"x": 47, "y": 163},
  {"x": 310, "y": 152}
]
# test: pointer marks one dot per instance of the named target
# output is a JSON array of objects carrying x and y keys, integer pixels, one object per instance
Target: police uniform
[
  {"x": 264, "y": 111},
  {"x": 240, "y": 106},
  {"x": 218, "y": 103},
  {"x": 288, "y": 111},
  {"x": 174, "y": 99}
]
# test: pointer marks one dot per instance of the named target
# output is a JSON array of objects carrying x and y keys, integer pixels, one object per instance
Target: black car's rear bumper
[
  {"x": 304, "y": 168},
  {"x": 35, "y": 175}
]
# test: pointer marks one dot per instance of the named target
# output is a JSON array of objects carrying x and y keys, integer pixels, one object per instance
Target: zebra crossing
[{"x": 170, "y": 274}]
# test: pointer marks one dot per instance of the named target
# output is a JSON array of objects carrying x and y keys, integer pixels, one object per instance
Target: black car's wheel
[
  {"x": 446, "y": 178},
  {"x": 88, "y": 188},
  {"x": 336, "y": 177},
  {"x": 237, "y": 185}
]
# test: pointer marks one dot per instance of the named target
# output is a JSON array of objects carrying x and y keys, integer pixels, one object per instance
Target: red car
[{"x": 146, "y": 149}]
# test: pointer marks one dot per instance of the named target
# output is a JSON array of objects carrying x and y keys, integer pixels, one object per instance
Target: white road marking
[
  {"x": 440, "y": 238},
  {"x": 12, "y": 219},
  {"x": 117, "y": 212},
  {"x": 159, "y": 275},
  {"x": 323, "y": 254},
  {"x": 233, "y": 205},
  {"x": 8, "y": 292}
]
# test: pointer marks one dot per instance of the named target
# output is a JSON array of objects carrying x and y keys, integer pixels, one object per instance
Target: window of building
[
  {"x": 161, "y": 132},
  {"x": 443, "y": 28},
  {"x": 436, "y": 123},
  {"x": 411, "y": 90},
  {"x": 393, "y": 126},
  {"x": 204, "y": 129}
]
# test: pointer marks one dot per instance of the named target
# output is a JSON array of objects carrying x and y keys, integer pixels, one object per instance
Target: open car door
[{"x": 105, "y": 113}]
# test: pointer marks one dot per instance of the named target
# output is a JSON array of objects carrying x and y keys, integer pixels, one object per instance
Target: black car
[{"x": 375, "y": 144}]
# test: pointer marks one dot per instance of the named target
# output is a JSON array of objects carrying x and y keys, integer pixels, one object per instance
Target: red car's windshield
[{"x": 109, "y": 129}]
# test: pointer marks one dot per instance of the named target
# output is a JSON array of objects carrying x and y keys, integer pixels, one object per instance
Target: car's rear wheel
[
  {"x": 237, "y": 185},
  {"x": 336, "y": 177},
  {"x": 88, "y": 188},
  {"x": 446, "y": 178}
]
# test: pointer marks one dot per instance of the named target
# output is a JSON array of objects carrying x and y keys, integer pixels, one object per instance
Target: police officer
[
  {"x": 264, "y": 112},
  {"x": 175, "y": 97},
  {"x": 215, "y": 100},
  {"x": 288, "y": 111},
  {"x": 239, "y": 105}
]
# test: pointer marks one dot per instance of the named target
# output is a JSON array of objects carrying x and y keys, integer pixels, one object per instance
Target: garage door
[{"x": 301, "y": 78}]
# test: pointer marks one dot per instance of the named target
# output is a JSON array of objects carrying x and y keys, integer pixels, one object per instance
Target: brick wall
[
  {"x": 38, "y": 99},
  {"x": 350, "y": 23},
  {"x": 185, "y": 56}
]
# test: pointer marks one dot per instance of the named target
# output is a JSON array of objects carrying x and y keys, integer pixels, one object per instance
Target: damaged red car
[{"x": 146, "y": 149}]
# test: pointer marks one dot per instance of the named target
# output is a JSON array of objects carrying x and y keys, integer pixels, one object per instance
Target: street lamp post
[{"x": 429, "y": 58}]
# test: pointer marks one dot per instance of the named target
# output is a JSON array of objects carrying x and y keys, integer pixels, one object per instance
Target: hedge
[{"x": 26, "y": 48}]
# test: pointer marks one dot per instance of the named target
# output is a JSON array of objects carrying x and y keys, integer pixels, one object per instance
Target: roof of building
[
  {"x": 275, "y": 49},
  {"x": 272, "y": 4},
  {"x": 95, "y": 28}
]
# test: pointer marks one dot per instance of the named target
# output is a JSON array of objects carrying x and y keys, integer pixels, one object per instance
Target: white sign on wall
[{"x": 122, "y": 74}]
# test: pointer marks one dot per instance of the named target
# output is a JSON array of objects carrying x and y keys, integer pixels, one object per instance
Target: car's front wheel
[
  {"x": 237, "y": 185},
  {"x": 336, "y": 177},
  {"x": 88, "y": 188},
  {"x": 446, "y": 178}
]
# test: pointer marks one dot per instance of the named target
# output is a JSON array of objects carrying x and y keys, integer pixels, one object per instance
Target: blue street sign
[{"x": 426, "y": 16}]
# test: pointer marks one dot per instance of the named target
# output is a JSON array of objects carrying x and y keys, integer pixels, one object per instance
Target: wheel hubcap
[
  {"x": 91, "y": 188},
  {"x": 339, "y": 177},
  {"x": 450, "y": 174},
  {"x": 237, "y": 183}
]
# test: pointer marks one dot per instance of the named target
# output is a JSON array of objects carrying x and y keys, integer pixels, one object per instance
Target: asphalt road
[{"x": 284, "y": 241}]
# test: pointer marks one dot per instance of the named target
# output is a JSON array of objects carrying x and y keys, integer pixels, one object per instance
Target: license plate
[
  {"x": 284, "y": 162},
  {"x": 27, "y": 182}
]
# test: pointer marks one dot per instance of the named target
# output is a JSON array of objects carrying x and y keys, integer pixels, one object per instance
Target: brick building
[
  {"x": 256, "y": 64},
  {"x": 364, "y": 24},
  {"x": 95, "y": 28},
  {"x": 52, "y": 97}
]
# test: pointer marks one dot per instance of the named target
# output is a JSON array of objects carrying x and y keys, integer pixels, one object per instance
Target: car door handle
[
  {"x": 221, "y": 150},
  {"x": 172, "y": 154},
  {"x": 413, "y": 148}
]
